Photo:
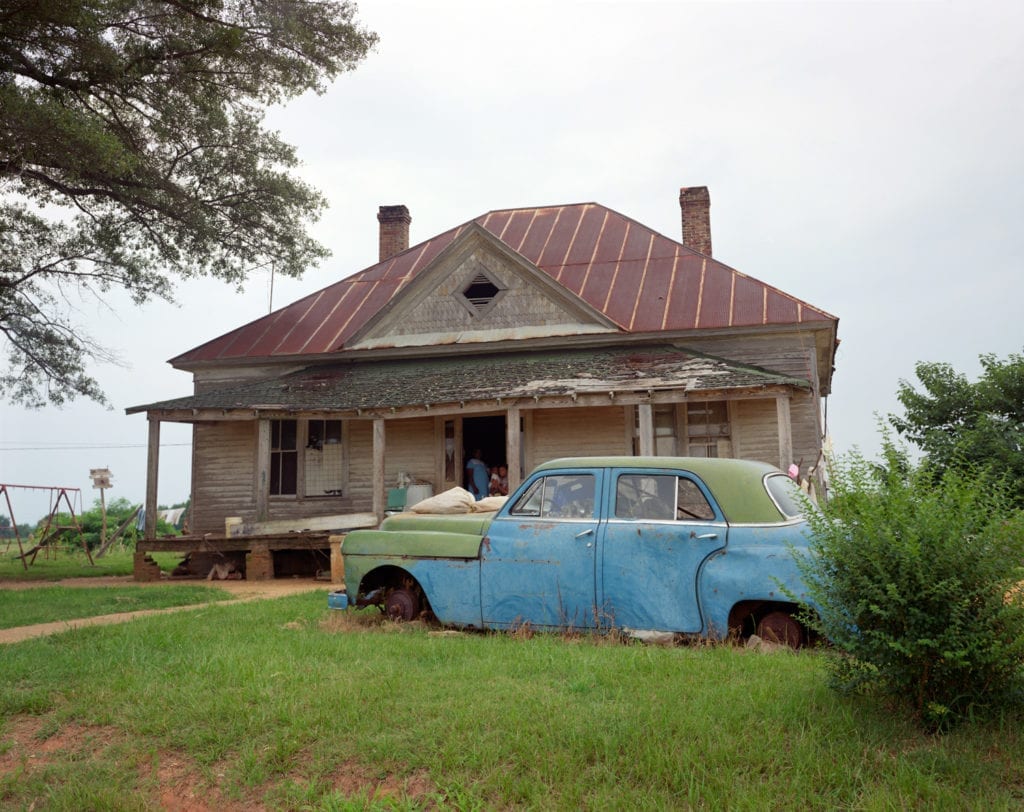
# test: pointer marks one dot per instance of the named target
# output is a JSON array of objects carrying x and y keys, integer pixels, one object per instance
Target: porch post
[
  {"x": 378, "y": 469},
  {"x": 152, "y": 471},
  {"x": 512, "y": 446},
  {"x": 262, "y": 483},
  {"x": 646, "y": 428},
  {"x": 785, "y": 431}
]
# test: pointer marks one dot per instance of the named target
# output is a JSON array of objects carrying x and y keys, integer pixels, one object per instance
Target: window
[
  {"x": 561, "y": 496},
  {"x": 786, "y": 495},
  {"x": 707, "y": 429},
  {"x": 284, "y": 457},
  {"x": 323, "y": 458},
  {"x": 306, "y": 457},
  {"x": 660, "y": 497}
]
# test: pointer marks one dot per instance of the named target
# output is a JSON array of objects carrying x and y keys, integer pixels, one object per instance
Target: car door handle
[
  {"x": 703, "y": 536},
  {"x": 588, "y": 532}
]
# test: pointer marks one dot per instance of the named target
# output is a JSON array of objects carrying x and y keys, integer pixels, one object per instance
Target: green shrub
[{"x": 914, "y": 576}]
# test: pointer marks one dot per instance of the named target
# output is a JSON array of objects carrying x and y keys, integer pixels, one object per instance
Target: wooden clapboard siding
[
  {"x": 360, "y": 464},
  {"x": 788, "y": 353},
  {"x": 410, "y": 447},
  {"x": 223, "y": 481},
  {"x": 806, "y": 431},
  {"x": 577, "y": 432},
  {"x": 756, "y": 432}
]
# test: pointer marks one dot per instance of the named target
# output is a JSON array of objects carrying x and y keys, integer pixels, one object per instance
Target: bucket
[{"x": 417, "y": 493}]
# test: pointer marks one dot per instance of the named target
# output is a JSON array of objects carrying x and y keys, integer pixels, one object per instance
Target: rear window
[{"x": 786, "y": 495}]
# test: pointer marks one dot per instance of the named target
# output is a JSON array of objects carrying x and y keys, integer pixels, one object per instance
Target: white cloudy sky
[{"x": 867, "y": 157}]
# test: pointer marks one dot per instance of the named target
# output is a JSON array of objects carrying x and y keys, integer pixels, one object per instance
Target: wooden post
[
  {"x": 646, "y": 429},
  {"x": 785, "y": 431},
  {"x": 378, "y": 469},
  {"x": 512, "y": 445},
  {"x": 103, "y": 508},
  {"x": 152, "y": 470},
  {"x": 262, "y": 484}
]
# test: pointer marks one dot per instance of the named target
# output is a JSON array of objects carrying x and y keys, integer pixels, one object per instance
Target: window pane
[
  {"x": 284, "y": 462},
  {"x": 645, "y": 496},
  {"x": 786, "y": 494},
  {"x": 571, "y": 496},
  {"x": 324, "y": 457},
  {"x": 692, "y": 504}
]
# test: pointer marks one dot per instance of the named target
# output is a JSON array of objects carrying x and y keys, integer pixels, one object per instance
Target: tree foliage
[
  {"x": 919, "y": 584},
  {"x": 964, "y": 425},
  {"x": 132, "y": 152}
]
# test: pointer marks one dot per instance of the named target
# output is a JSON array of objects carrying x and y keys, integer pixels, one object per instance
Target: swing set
[{"x": 52, "y": 532}]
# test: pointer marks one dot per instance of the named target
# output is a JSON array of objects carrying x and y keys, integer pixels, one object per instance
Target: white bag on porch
[{"x": 454, "y": 500}]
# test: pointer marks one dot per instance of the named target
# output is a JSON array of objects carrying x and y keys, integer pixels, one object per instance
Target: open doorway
[{"x": 487, "y": 434}]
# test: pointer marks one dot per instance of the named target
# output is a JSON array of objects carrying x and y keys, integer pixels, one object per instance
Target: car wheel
[
  {"x": 781, "y": 627},
  {"x": 402, "y": 604}
]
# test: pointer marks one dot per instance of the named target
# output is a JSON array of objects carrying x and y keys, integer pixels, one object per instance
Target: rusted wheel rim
[
  {"x": 402, "y": 605},
  {"x": 781, "y": 627}
]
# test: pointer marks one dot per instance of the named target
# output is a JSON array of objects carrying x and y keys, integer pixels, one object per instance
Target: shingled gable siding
[
  {"x": 578, "y": 432},
  {"x": 223, "y": 475}
]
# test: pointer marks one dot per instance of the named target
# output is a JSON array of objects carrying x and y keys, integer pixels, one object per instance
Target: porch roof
[{"x": 358, "y": 387}]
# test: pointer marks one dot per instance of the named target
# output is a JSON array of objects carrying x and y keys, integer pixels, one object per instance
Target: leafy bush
[{"x": 916, "y": 579}]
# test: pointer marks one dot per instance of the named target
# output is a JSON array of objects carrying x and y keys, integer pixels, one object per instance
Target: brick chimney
[
  {"x": 695, "y": 203},
  {"x": 394, "y": 230}
]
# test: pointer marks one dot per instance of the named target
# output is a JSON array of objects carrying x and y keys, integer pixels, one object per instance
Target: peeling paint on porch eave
[{"x": 481, "y": 336}]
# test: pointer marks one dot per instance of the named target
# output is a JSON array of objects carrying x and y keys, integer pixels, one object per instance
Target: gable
[{"x": 478, "y": 290}]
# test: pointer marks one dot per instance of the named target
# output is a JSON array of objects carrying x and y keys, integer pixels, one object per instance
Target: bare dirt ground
[{"x": 242, "y": 590}]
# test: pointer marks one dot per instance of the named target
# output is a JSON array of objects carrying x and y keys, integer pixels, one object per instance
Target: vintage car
[{"x": 641, "y": 544}]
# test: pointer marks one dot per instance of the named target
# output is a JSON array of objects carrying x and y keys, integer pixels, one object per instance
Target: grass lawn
[
  {"x": 281, "y": 704},
  {"x": 25, "y": 607}
]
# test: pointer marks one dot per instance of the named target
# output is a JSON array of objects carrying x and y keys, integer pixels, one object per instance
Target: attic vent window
[{"x": 481, "y": 294}]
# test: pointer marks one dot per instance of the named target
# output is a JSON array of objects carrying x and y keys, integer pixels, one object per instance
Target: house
[{"x": 528, "y": 333}]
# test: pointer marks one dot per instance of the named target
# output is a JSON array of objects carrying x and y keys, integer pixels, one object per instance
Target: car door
[
  {"x": 662, "y": 525},
  {"x": 537, "y": 562}
]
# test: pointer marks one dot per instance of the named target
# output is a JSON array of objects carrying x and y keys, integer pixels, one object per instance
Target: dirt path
[{"x": 243, "y": 591}]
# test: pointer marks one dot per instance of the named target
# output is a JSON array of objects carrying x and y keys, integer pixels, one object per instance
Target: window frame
[{"x": 305, "y": 444}]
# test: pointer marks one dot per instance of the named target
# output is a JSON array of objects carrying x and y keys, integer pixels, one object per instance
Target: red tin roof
[{"x": 639, "y": 279}]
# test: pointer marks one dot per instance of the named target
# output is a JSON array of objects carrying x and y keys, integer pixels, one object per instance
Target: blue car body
[{"x": 683, "y": 545}]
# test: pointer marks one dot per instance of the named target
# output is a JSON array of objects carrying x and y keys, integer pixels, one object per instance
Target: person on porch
[{"x": 477, "y": 476}]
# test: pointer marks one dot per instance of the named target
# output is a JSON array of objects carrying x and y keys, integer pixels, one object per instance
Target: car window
[
  {"x": 786, "y": 495},
  {"x": 660, "y": 497},
  {"x": 559, "y": 496},
  {"x": 692, "y": 503}
]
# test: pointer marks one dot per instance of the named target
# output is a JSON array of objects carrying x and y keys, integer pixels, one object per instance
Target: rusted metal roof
[
  {"x": 439, "y": 382},
  {"x": 642, "y": 281}
]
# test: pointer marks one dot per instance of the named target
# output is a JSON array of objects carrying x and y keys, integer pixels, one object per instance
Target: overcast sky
[{"x": 866, "y": 157}]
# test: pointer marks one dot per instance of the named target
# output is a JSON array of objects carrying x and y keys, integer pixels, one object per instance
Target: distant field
[{"x": 71, "y": 562}]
